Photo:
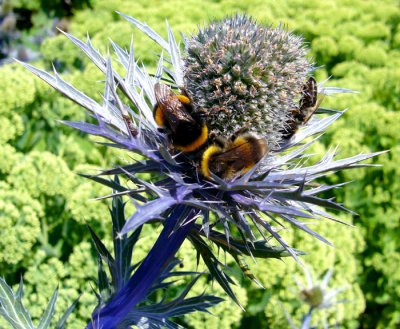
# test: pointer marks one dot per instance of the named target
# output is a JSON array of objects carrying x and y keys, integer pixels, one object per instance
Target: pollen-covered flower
[
  {"x": 261, "y": 74},
  {"x": 242, "y": 73}
]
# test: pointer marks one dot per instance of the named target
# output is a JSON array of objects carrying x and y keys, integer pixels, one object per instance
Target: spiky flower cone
[{"x": 245, "y": 74}]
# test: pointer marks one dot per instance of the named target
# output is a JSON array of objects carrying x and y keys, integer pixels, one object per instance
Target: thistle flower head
[
  {"x": 260, "y": 73},
  {"x": 242, "y": 73},
  {"x": 317, "y": 294}
]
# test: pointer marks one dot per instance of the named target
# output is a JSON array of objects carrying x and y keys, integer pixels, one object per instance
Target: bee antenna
[{"x": 240, "y": 131}]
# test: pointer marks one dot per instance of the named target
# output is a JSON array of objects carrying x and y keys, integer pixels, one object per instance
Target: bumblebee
[
  {"x": 234, "y": 157},
  {"x": 308, "y": 104},
  {"x": 186, "y": 130}
]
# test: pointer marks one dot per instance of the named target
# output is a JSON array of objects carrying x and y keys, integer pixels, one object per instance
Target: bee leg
[
  {"x": 161, "y": 130},
  {"x": 171, "y": 148},
  {"x": 184, "y": 92},
  {"x": 222, "y": 142},
  {"x": 214, "y": 139},
  {"x": 238, "y": 132}
]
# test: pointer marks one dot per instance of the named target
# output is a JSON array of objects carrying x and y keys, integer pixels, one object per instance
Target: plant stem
[{"x": 164, "y": 249}]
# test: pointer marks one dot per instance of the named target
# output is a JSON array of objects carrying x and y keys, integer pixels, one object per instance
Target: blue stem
[
  {"x": 307, "y": 319},
  {"x": 166, "y": 246}
]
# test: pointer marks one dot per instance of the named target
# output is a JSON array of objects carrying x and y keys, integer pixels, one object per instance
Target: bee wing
[
  {"x": 162, "y": 92},
  {"x": 310, "y": 94},
  {"x": 237, "y": 156},
  {"x": 177, "y": 113},
  {"x": 308, "y": 113}
]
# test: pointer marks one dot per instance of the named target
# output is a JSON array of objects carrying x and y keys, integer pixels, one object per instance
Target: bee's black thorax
[{"x": 186, "y": 131}]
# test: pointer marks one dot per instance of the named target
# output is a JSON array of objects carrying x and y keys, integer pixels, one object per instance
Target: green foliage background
[{"x": 44, "y": 204}]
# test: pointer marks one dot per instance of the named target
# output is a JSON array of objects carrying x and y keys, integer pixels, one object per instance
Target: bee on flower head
[
  {"x": 234, "y": 157},
  {"x": 308, "y": 105},
  {"x": 186, "y": 129}
]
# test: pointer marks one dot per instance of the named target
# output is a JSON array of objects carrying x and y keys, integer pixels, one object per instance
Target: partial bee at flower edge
[
  {"x": 186, "y": 130},
  {"x": 232, "y": 158},
  {"x": 308, "y": 105}
]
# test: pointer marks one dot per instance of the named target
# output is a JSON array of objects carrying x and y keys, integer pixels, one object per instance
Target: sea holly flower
[
  {"x": 149, "y": 312},
  {"x": 246, "y": 74},
  {"x": 317, "y": 296},
  {"x": 234, "y": 73}
]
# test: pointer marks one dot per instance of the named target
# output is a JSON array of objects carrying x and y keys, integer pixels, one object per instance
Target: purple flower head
[{"x": 235, "y": 69}]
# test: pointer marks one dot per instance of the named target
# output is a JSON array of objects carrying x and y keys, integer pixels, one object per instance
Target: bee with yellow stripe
[
  {"x": 234, "y": 157},
  {"x": 186, "y": 129}
]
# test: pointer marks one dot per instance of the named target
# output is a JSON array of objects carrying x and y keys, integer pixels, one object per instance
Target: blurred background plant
[
  {"x": 357, "y": 41},
  {"x": 318, "y": 297},
  {"x": 25, "y": 24}
]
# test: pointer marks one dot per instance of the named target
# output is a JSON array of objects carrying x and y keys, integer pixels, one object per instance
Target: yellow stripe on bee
[
  {"x": 230, "y": 173},
  {"x": 239, "y": 141},
  {"x": 197, "y": 143},
  {"x": 206, "y": 158},
  {"x": 159, "y": 116},
  {"x": 248, "y": 167},
  {"x": 183, "y": 99}
]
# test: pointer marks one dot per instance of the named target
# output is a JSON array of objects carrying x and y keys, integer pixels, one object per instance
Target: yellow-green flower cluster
[{"x": 19, "y": 226}]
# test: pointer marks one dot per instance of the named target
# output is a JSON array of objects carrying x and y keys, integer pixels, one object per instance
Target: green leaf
[
  {"x": 103, "y": 282},
  {"x": 213, "y": 265},
  {"x": 122, "y": 247},
  {"x": 244, "y": 267},
  {"x": 101, "y": 249},
  {"x": 20, "y": 292},
  {"x": 12, "y": 308},
  {"x": 62, "y": 322},
  {"x": 18, "y": 303},
  {"x": 256, "y": 249},
  {"x": 115, "y": 186},
  {"x": 47, "y": 316}
]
